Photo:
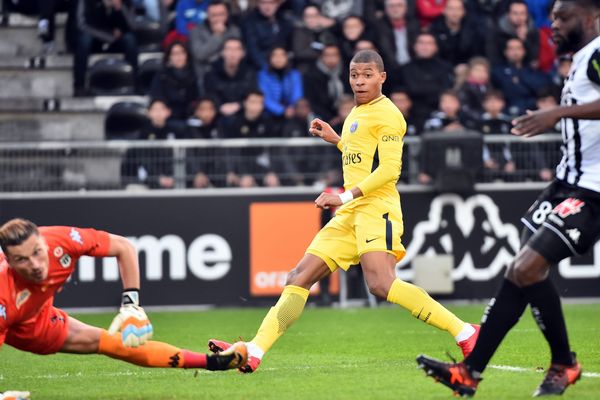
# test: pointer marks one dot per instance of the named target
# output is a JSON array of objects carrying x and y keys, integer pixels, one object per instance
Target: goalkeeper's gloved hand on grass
[
  {"x": 131, "y": 321},
  {"x": 14, "y": 395}
]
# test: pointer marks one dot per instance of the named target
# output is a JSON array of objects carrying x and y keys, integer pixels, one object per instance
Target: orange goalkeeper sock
[{"x": 151, "y": 354}]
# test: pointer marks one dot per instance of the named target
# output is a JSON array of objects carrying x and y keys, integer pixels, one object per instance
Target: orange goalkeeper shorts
[{"x": 43, "y": 334}]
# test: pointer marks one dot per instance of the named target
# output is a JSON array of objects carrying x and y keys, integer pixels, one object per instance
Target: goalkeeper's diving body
[
  {"x": 367, "y": 228},
  {"x": 34, "y": 267}
]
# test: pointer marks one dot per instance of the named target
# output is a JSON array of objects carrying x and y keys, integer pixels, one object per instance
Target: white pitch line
[
  {"x": 521, "y": 369},
  {"x": 69, "y": 375}
]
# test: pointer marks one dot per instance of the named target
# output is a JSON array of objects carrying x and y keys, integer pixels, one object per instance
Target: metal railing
[{"x": 110, "y": 165}]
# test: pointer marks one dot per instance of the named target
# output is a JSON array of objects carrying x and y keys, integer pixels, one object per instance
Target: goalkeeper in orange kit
[{"x": 34, "y": 267}]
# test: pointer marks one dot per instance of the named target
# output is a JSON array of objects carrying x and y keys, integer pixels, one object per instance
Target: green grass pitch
[{"x": 327, "y": 354}]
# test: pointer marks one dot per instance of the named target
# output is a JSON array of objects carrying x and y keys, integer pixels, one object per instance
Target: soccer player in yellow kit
[{"x": 367, "y": 227}]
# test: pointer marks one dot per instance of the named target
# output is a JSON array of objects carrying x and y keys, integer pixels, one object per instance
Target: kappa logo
[
  {"x": 469, "y": 229},
  {"x": 3, "y": 311},
  {"x": 22, "y": 297},
  {"x": 574, "y": 234},
  {"x": 570, "y": 206},
  {"x": 76, "y": 236}
]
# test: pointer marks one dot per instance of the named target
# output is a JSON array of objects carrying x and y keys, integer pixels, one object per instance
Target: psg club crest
[{"x": 354, "y": 127}]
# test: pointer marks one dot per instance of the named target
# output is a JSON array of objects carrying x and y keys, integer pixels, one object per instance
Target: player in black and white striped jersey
[{"x": 564, "y": 221}]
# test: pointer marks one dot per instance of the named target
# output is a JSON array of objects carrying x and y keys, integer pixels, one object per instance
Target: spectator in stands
[
  {"x": 176, "y": 83},
  {"x": 402, "y": 100},
  {"x": 457, "y": 34},
  {"x": 325, "y": 82},
  {"x": 189, "y": 13},
  {"x": 203, "y": 124},
  {"x": 497, "y": 158},
  {"x": 249, "y": 165},
  {"x": 396, "y": 34},
  {"x": 310, "y": 37},
  {"x": 519, "y": 82},
  {"x": 147, "y": 166},
  {"x": 340, "y": 9},
  {"x": 448, "y": 117},
  {"x": 202, "y": 163},
  {"x": 263, "y": 28},
  {"x": 428, "y": 10},
  {"x": 426, "y": 77},
  {"x": 102, "y": 26},
  {"x": 231, "y": 77},
  {"x": 343, "y": 109},
  {"x": 353, "y": 29},
  {"x": 474, "y": 89},
  {"x": 207, "y": 38},
  {"x": 515, "y": 23},
  {"x": 281, "y": 84}
]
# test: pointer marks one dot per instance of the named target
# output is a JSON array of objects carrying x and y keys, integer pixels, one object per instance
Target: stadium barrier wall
[{"x": 234, "y": 247}]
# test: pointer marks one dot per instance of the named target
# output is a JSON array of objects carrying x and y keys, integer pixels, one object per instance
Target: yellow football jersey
[{"x": 371, "y": 146}]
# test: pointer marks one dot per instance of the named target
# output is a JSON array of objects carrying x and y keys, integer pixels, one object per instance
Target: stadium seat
[
  {"x": 124, "y": 121},
  {"x": 149, "y": 34},
  {"x": 111, "y": 76},
  {"x": 146, "y": 74}
]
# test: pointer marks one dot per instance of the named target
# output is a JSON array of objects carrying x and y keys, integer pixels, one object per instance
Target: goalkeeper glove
[
  {"x": 14, "y": 395},
  {"x": 131, "y": 321}
]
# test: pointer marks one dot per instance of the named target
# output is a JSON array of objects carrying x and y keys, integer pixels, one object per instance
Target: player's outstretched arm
[
  {"x": 132, "y": 321},
  {"x": 322, "y": 129},
  {"x": 540, "y": 121}
]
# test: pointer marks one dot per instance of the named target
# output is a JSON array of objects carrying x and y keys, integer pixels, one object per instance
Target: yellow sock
[
  {"x": 423, "y": 307},
  {"x": 281, "y": 316}
]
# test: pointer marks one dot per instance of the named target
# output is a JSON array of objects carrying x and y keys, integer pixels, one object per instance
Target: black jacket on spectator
[
  {"x": 146, "y": 165},
  {"x": 425, "y": 80},
  {"x": 386, "y": 40},
  {"x": 471, "y": 96},
  {"x": 94, "y": 17},
  {"x": 307, "y": 45},
  {"x": 249, "y": 160},
  {"x": 458, "y": 47},
  {"x": 502, "y": 32},
  {"x": 177, "y": 88},
  {"x": 261, "y": 35},
  {"x": 229, "y": 89},
  {"x": 316, "y": 91}
]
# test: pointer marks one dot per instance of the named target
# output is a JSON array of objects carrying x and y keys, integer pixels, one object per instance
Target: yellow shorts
[{"x": 375, "y": 225}]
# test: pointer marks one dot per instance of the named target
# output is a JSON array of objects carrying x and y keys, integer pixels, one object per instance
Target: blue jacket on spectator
[
  {"x": 190, "y": 11},
  {"x": 520, "y": 86},
  {"x": 281, "y": 89}
]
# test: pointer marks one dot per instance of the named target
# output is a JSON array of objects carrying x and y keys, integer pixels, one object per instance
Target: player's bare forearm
[
  {"x": 537, "y": 122},
  {"x": 126, "y": 255},
  {"x": 323, "y": 130},
  {"x": 327, "y": 200}
]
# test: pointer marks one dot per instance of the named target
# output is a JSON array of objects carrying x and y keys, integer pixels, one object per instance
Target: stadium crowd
[{"x": 266, "y": 68}]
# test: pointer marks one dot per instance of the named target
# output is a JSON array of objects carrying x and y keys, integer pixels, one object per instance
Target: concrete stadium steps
[
  {"x": 34, "y": 126},
  {"x": 19, "y": 35},
  {"x": 65, "y": 104},
  {"x": 41, "y": 83}
]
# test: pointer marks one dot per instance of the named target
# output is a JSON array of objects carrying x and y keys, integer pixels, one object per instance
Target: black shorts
[{"x": 565, "y": 221}]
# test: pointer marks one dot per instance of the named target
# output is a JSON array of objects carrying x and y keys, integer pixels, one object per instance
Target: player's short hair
[
  {"x": 15, "y": 232},
  {"x": 368, "y": 56},
  {"x": 586, "y": 4}
]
